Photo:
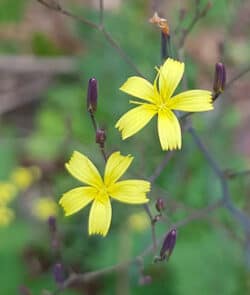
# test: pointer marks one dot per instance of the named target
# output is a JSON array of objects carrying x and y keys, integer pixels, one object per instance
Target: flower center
[
  {"x": 102, "y": 194},
  {"x": 163, "y": 106}
]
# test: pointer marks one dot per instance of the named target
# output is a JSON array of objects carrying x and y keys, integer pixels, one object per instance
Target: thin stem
[
  {"x": 101, "y": 145},
  {"x": 152, "y": 220},
  {"x": 159, "y": 169},
  {"x": 241, "y": 217},
  {"x": 120, "y": 51},
  {"x": 197, "y": 16},
  {"x": 56, "y": 7},
  {"x": 165, "y": 46},
  {"x": 232, "y": 175},
  {"x": 101, "y": 12},
  {"x": 89, "y": 276},
  {"x": 238, "y": 76},
  {"x": 104, "y": 153},
  {"x": 93, "y": 120}
]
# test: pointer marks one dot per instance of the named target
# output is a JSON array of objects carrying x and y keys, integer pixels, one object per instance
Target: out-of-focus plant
[
  {"x": 20, "y": 179},
  {"x": 44, "y": 207}
]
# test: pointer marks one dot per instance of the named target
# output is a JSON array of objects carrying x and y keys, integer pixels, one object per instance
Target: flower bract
[
  {"x": 158, "y": 99},
  {"x": 99, "y": 190}
]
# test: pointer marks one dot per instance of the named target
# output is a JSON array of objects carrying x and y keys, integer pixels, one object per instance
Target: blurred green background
[{"x": 43, "y": 119}]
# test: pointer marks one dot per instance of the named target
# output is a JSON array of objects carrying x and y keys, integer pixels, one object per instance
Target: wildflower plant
[
  {"x": 167, "y": 99},
  {"x": 99, "y": 190},
  {"x": 20, "y": 179},
  {"x": 158, "y": 99}
]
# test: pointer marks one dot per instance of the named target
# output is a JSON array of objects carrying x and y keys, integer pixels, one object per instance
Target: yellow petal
[
  {"x": 84, "y": 170},
  {"x": 130, "y": 191},
  {"x": 192, "y": 101},
  {"x": 100, "y": 217},
  {"x": 170, "y": 76},
  {"x": 169, "y": 130},
  {"x": 75, "y": 199},
  {"x": 116, "y": 166},
  {"x": 135, "y": 119},
  {"x": 139, "y": 87}
]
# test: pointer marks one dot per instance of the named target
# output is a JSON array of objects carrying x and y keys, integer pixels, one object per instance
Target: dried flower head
[{"x": 161, "y": 23}]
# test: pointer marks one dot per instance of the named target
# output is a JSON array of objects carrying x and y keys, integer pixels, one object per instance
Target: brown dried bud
[
  {"x": 219, "y": 78},
  {"x": 100, "y": 136},
  {"x": 160, "y": 204},
  {"x": 92, "y": 95},
  {"x": 161, "y": 23}
]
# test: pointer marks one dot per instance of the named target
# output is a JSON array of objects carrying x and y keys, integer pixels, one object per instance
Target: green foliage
[
  {"x": 11, "y": 10},
  {"x": 42, "y": 45}
]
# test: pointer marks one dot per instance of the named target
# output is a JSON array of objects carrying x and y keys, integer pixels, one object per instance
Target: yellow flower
[
  {"x": 100, "y": 190},
  {"x": 23, "y": 177},
  {"x": 138, "y": 222},
  {"x": 158, "y": 100},
  {"x": 7, "y": 192},
  {"x": 44, "y": 207},
  {"x": 6, "y": 216}
]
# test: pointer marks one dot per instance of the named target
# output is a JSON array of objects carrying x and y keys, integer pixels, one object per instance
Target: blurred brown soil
[{"x": 38, "y": 18}]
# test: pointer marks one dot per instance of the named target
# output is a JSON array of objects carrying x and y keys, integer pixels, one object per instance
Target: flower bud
[
  {"x": 92, "y": 95},
  {"x": 100, "y": 136},
  {"x": 160, "y": 204},
  {"x": 168, "y": 244},
  {"x": 23, "y": 290},
  {"x": 55, "y": 241},
  {"x": 58, "y": 273},
  {"x": 52, "y": 224},
  {"x": 219, "y": 78}
]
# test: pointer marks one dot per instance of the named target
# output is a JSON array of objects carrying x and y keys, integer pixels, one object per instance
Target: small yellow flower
[
  {"x": 138, "y": 222},
  {"x": 24, "y": 177},
  {"x": 7, "y": 192},
  {"x": 159, "y": 100},
  {"x": 100, "y": 190},
  {"x": 6, "y": 216},
  {"x": 44, "y": 207}
]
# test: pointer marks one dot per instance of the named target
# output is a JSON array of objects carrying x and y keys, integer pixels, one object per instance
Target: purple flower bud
[
  {"x": 219, "y": 78},
  {"x": 145, "y": 280},
  {"x": 52, "y": 224},
  {"x": 23, "y": 290},
  {"x": 100, "y": 136},
  {"x": 55, "y": 242},
  {"x": 168, "y": 244},
  {"x": 58, "y": 273},
  {"x": 92, "y": 95},
  {"x": 160, "y": 204}
]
